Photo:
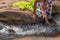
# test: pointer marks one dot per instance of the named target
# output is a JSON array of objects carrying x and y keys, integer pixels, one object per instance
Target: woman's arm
[
  {"x": 34, "y": 16},
  {"x": 34, "y": 7}
]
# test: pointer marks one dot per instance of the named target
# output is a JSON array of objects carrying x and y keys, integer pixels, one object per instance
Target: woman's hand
[{"x": 34, "y": 17}]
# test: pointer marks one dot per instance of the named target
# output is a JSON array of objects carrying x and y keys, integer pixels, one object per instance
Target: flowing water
[{"x": 12, "y": 31}]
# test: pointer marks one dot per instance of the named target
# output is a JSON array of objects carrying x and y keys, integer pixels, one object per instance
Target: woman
[{"x": 41, "y": 9}]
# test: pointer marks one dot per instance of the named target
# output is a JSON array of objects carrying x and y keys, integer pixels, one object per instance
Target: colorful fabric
[
  {"x": 46, "y": 10},
  {"x": 38, "y": 10},
  {"x": 49, "y": 1}
]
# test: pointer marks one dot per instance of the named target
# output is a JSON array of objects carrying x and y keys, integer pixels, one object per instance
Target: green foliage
[{"x": 23, "y": 5}]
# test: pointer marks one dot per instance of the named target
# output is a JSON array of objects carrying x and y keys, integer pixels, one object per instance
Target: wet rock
[{"x": 57, "y": 20}]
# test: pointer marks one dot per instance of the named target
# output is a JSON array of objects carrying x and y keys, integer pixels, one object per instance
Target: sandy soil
[
  {"x": 38, "y": 38},
  {"x": 55, "y": 37}
]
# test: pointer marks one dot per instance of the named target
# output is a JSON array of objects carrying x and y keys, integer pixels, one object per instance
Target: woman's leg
[{"x": 46, "y": 20}]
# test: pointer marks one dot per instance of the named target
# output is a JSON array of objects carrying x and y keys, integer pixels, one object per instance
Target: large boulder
[
  {"x": 19, "y": 17},
  {"x": 56, "y": 6}
]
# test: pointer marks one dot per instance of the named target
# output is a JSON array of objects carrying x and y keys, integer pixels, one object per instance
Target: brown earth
[
  {"x": 38, "y": 38},
  {"x": 57, "y": 37}
]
